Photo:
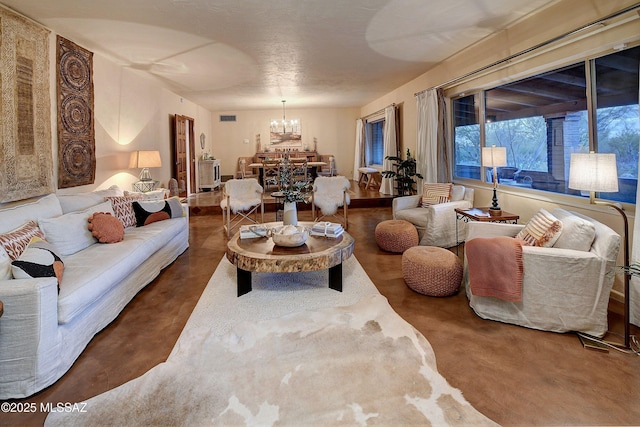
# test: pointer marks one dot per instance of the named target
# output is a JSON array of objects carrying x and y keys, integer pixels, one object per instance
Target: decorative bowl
[{"x": 289, "y": 235}]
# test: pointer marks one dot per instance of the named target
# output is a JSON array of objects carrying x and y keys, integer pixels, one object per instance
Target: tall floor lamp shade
[
  {"x": 145, "y": 160},
  {"x": 494, "y": 157},
  {"x": 597, "y": 172}
]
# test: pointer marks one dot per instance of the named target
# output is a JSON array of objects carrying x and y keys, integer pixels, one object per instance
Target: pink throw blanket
[{"x": 495, "y": 267}]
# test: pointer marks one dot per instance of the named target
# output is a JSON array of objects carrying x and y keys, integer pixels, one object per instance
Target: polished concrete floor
[{"x": 515, "y": 376}]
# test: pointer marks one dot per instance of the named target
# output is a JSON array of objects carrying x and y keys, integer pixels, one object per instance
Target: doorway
[{"x": 184, "y": 159}]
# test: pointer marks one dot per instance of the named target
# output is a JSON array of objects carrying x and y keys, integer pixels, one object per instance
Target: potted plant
[{"x": 404, "y": 173}]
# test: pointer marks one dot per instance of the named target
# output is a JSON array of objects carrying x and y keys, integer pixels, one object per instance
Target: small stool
[
  {"x": 432, "y": 271},
  {"x": 396, "y": 235},
  {"x": 368, "y": 175}
]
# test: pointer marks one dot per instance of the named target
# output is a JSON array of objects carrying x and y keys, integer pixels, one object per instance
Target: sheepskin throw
[{"x": 329, "y": 193}]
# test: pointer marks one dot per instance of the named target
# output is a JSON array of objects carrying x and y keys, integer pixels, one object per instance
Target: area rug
[{"x": 358, "y": 364}]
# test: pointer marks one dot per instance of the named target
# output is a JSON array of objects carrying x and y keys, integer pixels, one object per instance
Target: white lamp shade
[
  {"x": 494, "y": 156},
  {"x": 593, "y": 172},
  {"x": 145, "y": 159}
]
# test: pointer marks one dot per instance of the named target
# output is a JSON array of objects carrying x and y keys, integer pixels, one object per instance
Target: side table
[
  {"x": 279, "y": 197},
  {"x": 483, "y": 215},
  {"x": 1, "y": 308}
]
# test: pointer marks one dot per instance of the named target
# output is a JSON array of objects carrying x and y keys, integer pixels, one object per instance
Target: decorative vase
[{"x": 290, "y": 214}]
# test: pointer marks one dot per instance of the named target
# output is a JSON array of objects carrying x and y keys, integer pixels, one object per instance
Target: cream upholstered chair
[
  {"x": 564, "y": 287},
  {"x": 329, "y": 195},
  {"x": 436, "y": 224},
  {"x": 242, "y": 198}
]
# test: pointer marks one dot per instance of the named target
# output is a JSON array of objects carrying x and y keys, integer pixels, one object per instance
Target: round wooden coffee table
[{"x": 260, "y": 255}]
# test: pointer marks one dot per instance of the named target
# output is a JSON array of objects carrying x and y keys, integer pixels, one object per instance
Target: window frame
[{"x": 589, "y": 64}]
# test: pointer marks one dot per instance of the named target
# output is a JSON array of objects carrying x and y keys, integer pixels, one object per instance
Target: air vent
[{"x": 227, "y": 118}]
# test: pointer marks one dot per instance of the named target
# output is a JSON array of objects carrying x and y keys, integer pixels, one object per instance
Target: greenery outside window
[{"x": 541, "y": 120}]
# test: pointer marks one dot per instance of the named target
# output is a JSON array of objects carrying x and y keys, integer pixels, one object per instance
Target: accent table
[
  {"x": 483, "y": 215},
  {"x": 261, "y": 255},
  {"x": 1, "y": 308}
]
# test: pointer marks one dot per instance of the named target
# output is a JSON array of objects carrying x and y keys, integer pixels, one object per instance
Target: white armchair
[
  {"x": 436, "y": 224},
  {"x": 563, "y": 289},
  {"x": 329, "y": 194}
]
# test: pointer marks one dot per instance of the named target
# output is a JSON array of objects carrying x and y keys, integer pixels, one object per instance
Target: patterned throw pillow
[
  {"x": 5, "y": 265},
  {"x": 16, "y": 240},
  {"x": 148, "y": 212},
  {"x": 541, "y": 230},
  {"x": 38, "y": 260},
  {"x": 433, "y": 194},
  {"x": 122, "y": 207}
]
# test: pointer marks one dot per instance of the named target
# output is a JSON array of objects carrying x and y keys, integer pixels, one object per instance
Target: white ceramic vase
[{"x": 290, "y": 214}]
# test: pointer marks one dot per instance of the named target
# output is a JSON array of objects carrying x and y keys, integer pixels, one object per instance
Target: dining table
[{"x": 313, "y": 169}]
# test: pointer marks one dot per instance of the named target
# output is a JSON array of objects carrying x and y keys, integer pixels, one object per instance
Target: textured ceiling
[{"x": 251, "y": 54}]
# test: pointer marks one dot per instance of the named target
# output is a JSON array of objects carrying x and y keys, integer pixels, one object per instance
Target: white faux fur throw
[
  {"x": 329, "y": 193},
  {"x": 243, "y": 194}
]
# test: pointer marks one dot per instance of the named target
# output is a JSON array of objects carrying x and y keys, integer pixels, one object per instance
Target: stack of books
[
  {"x": 327, "y": 229},
  {"x": 253, "y": 231}
]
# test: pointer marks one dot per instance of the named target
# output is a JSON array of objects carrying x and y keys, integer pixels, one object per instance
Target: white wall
[
  {"x": 132, "y": 112},
  {"x": 333, "y": 128}
]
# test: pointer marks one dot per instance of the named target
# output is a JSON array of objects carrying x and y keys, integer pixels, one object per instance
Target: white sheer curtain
[
  {"x": 360, "y": 149},
  {"x": 427, "y": 137},
  {"x": 390, "y": 147},
  {"x": 634, "y": 287}
]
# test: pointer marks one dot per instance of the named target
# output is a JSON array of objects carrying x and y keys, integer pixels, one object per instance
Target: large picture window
[{"x": 541, "y": 120}]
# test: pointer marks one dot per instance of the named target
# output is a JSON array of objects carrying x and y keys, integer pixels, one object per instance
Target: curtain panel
[
  {"x": 390, "y": 147},
  {"x": 359, "y": 157}
]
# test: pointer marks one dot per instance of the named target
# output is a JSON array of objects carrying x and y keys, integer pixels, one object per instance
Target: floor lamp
[{"x": 598, "y": 172}]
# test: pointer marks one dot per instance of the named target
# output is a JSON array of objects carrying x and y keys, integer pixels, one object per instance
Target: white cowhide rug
[{"x": 359, "y": 364}]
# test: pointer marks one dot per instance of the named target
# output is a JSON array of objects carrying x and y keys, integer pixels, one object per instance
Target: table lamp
[
  {"x": 145, "y": 160},
  {"x": 494, "y": 157},
  {"x": 598, "y": 172}
]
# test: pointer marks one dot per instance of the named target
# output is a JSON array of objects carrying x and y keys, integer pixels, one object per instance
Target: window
[
  {"x": 541, "y": 120},
  {"x": 375, "y": 142}
]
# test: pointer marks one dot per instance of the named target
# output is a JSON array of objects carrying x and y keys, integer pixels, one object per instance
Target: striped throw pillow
[
  {"x": 543, "y": 229},
  {"x": 433, "y": 194},
  {"x": 15, "y": 241}
]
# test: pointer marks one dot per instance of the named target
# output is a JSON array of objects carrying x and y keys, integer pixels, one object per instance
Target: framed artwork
[
  {"x": 286, "y": 134},
  {"x": 26, "y": 158}
]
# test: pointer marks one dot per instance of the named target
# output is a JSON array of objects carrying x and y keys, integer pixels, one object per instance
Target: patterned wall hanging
[
  {"x": 76, "y": 137},
  {"x": 26, "y": 159}
]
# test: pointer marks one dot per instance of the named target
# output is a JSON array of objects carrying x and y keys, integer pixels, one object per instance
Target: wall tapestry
[
  {"x": 76, "y": 136},
  {"x": 26, "y": 160}
]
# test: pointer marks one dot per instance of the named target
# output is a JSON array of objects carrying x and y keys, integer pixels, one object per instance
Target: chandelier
[{"x": 284, "y": 126}]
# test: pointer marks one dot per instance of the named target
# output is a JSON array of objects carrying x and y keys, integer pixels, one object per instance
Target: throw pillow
[
  {"x": 69, "y": 233},
  {"x": 148, "y": 212},
  {"x": 122, "y": 207},
  {"x": 38, "y": 260},
  {"x": 542, "y": 230},
  {"x": 16, "y": 240},
  {"x": 106, "y": 227},
  {"x": 577, "y": 233},
  {"x": 5, "y": 265},
  {"x": 433, "y": 194}
]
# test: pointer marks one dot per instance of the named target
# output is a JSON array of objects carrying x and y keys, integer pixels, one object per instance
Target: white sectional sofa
[{"x": 43, "y": 330}]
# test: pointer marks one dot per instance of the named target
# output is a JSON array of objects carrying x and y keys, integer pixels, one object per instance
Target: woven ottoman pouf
[
  {"x": 432, "y": 271},
  {"x": 396, "y": 235}
]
